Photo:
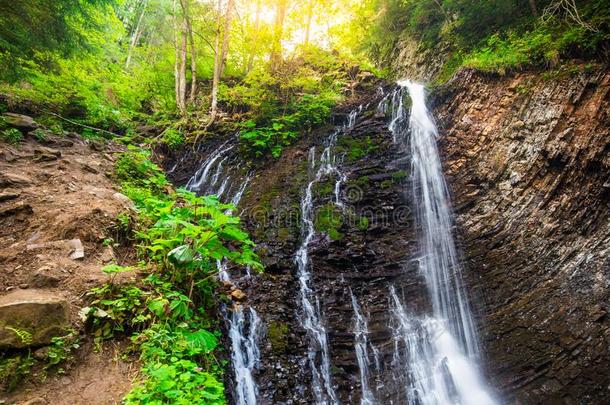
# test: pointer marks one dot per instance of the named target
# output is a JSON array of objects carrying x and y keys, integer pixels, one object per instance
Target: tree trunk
[
  {"x": 226, "y": 37},
  {"x": 533, "y": 8},
  {"x": 176, "y": 58},
  {"x": 182, "y": 92},
  {"x": 189, "y": 28},
  {"x": 254, "y": 36},
  {"x": 216, "y": 73},
  {"x": 276, "y": 50},
  {"x": 309, "y": 18},
  {"x": 135, "y": 37}
]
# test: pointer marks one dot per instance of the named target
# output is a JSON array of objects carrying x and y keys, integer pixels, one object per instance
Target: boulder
[
  {"x": 20, "y": 121},
  {"x": 238, "y": 295},
  {"x": 14, "y": 180},
  {"x": 31, "y": 318}
]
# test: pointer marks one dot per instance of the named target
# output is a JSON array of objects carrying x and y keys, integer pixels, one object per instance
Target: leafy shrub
[
  {"x": 60, "y": 351},
  {"x": 181, "y": 236},
  {"x": 134, "y": 169},
  {"x": 11, "y": 135},
  {"x": 173, "y": 138},
  {"x": 14, "y": 369}
]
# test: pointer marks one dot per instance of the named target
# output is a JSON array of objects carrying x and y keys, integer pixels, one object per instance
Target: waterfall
[
  {"x": 361, "y": 344},
  {"x": 438, "y": 352},
  {"x": 245, "y": 326},
  {"x": 245, "y": 354},
  {"x": 311, "y": 316}
]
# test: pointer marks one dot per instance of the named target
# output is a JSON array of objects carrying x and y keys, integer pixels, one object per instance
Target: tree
[
  {"x": 257, "y": 20},
  {"x": 180, "y": 60},
  {"x": 137, "y": 32},
  {"x": 220, "y": 53},
  {"x": 278, "y": 32},
  {"x": 189, "y": 29},
  {"x": 308, "y": 22}
]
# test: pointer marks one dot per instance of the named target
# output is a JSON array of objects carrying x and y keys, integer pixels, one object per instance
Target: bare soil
[{"x": 52, "y": 192}]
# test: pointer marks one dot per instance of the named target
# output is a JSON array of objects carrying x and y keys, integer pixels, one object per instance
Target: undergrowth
[{"x": 169, "y": 314}]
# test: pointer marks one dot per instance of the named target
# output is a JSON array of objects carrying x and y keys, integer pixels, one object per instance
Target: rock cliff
[{"x": 528, "y": 161}]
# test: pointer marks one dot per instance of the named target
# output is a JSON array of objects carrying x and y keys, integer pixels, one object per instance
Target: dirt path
[{"x": 54, "y": 193}]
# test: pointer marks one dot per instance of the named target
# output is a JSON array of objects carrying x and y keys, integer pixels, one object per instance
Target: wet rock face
[
  {"x": 361, "y": 248},
  {"x": 528, "y": 162}
]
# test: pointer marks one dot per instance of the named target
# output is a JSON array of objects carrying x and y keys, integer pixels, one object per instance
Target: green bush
[
  {"x": 11, "y": 135},
  {"x": 180, "y": 237}
]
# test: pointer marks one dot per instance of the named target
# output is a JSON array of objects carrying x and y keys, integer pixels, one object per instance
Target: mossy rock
[
  {"x": 277, "y": 332},
  {"x": 362, "y": 223},
  {"x": 356, "y": 148},
  {"x": 329, "y": 219}
]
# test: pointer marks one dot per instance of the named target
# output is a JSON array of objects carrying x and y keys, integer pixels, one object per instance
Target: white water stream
[
  {"x": 245, "y": 326},
  {"x": 438, "y": 352}
]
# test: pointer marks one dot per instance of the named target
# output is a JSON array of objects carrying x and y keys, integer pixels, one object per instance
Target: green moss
[
  {"x": 329, "y": 220},
  {"x": 386, "y": 184},
  {"x": 400, "y": 174},
  {"x": 277, "y": 331},
  {"x": 283, "y": 234},
  {"x": 356, "y": 148},
  {"x": 323, "y": 189},
  {"x": 362, "y": 223}
]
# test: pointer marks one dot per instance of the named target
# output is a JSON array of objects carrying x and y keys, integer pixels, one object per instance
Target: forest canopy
[{"x": 110, "y": 62}]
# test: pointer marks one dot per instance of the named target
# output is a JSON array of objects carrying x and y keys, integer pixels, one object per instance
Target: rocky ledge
[{"x": 528, "y": 162}]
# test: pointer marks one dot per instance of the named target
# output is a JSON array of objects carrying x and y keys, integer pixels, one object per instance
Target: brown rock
[
  {"x": 46, "y": 276},
  {"x": 8, "y": 196},
  {"x": 31, "y": 318},
  {"x": 20, "y": 121},
  {"x": 14, "y": 180},
  {"x": 238, "y": 295}
]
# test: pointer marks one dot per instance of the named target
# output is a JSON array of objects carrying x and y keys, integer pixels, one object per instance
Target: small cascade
[
  {"x": 244, "y": 332},
  {"x": 200, "y": 180},
  {"x": 361, "y": 344},
  {"x": 245, "y": 326},
  {"x": 435, "y": 356},
  {"x": 311, "y": 316}
]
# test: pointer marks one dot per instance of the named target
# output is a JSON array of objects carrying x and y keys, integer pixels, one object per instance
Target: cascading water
[
  {"x": 244, "y": 323},
  {"x": 311, "y": 316},
  {"x": 244, "y": 331},
  {"x": 438, "y": 352},
  {"x": 361, "y": 344}
]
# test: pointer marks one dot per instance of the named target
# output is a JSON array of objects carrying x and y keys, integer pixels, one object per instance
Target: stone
[
  {"x": 6, "y": 196},
  {"x": 238, "y": 295},
  {"x": 30, "y": 318},
  {"x": 46, "y": 276},
  {"x": 16, "y": 209},
  {"x": 14, "y": 180},
  {"x": 20, "y": 121},
  {"x": 44, "y": 154},
  {"x": 35, "y": 401},
  {"x": 78, "y": 251}
]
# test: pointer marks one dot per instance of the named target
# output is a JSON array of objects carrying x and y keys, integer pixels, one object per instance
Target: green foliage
[
  {"x": 173, "y": 138},
  {"x": 181, "y": 236},
  {"x": 362, "y": 223},
  {"x": 23, "y": 335},
  {"x": 135, "y": 171},
  {"x": 493, "y": 36},
  {"x": 13, "y": 369},
  {"x": 279, "y": 104},
  {"x": 60, "y": 351},
  {"x": 356, "y": 148},
  {"x": 11, "y": 135},
  {"x": 329, "y": 219}
]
